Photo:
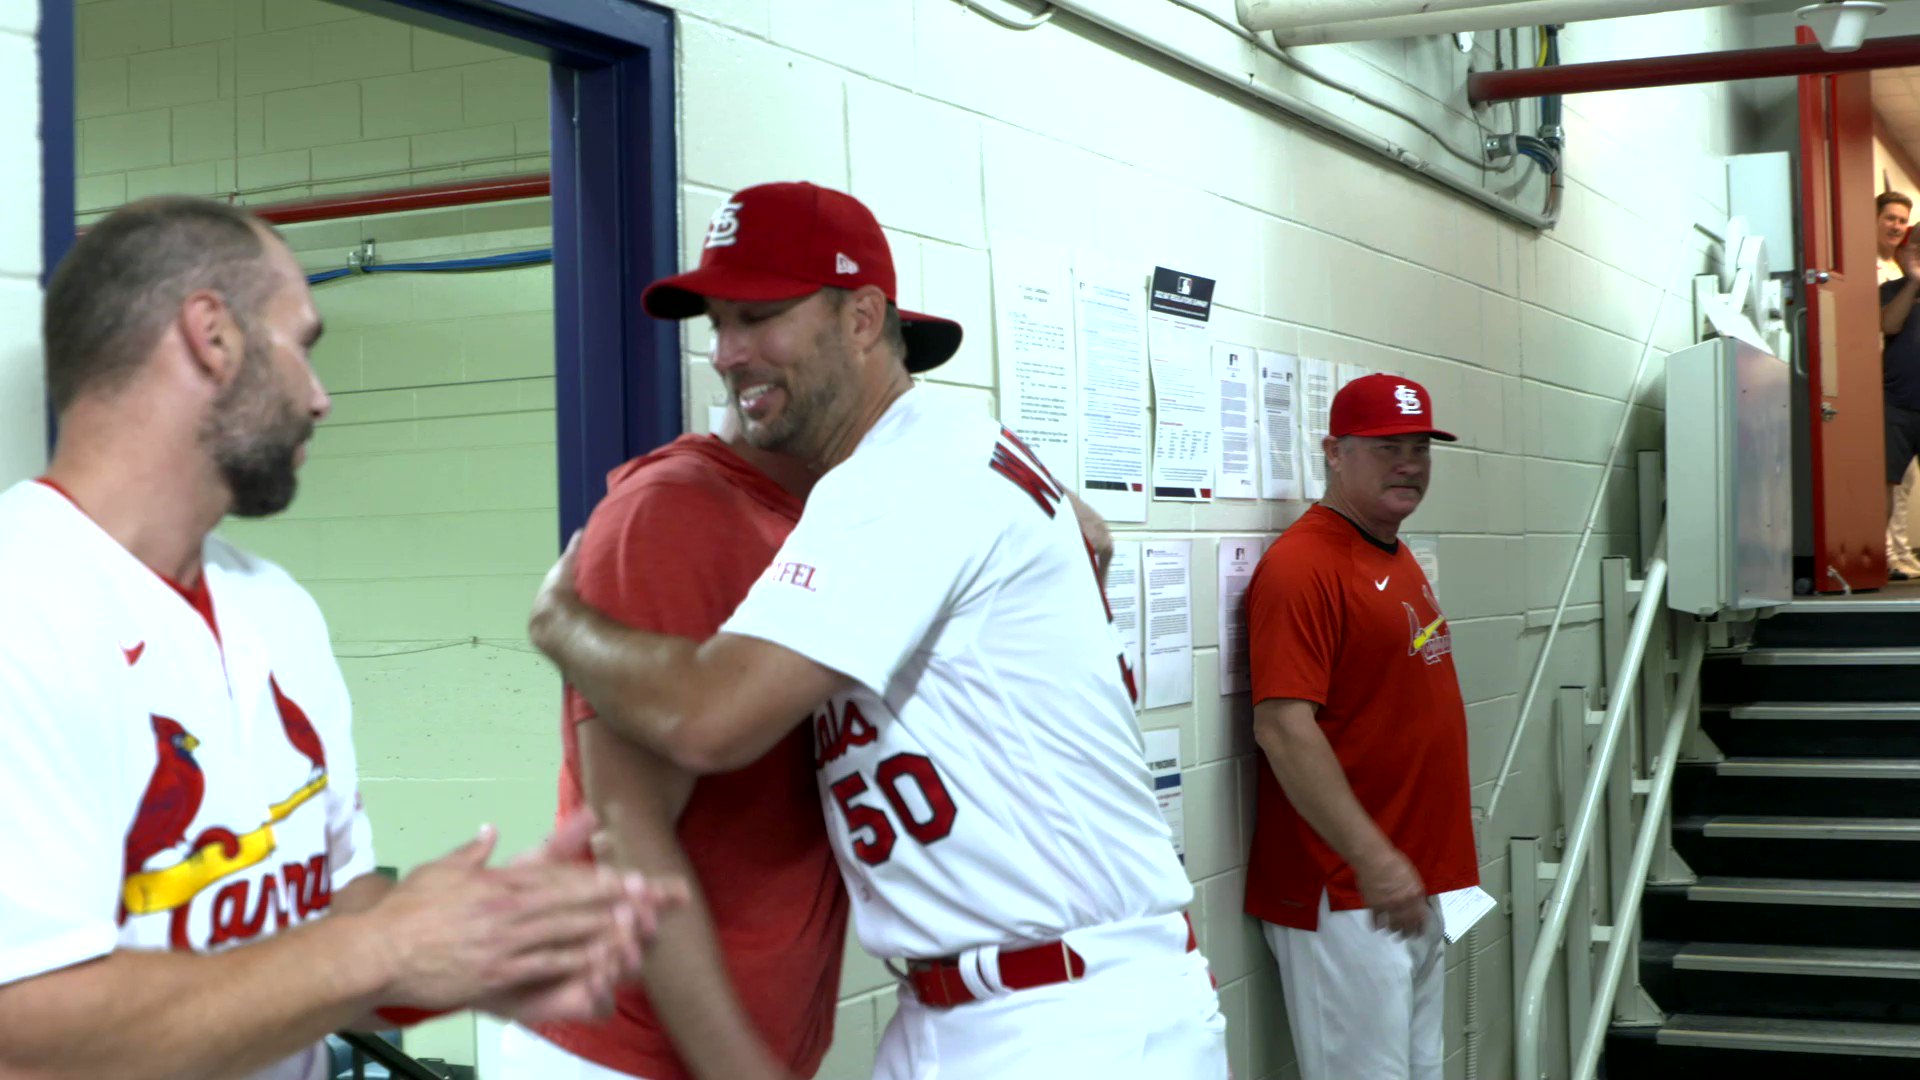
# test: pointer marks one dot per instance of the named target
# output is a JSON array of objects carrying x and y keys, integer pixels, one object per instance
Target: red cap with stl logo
[
  {"x": 784, "y": 241},
  {"x": 1381, "y": 405}
]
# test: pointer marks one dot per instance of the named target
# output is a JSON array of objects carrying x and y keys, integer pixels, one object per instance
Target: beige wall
[{"x": 23, "y": 432}]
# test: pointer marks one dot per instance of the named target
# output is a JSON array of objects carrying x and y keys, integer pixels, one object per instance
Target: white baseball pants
[
  {"x": 1362, "y": 1003},
  {"x": 1145, "y": 1010},
  {"x": 526, "y": 1056}
]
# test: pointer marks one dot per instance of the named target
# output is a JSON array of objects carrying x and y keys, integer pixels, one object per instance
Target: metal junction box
[{"x": 1729, "y": 479}]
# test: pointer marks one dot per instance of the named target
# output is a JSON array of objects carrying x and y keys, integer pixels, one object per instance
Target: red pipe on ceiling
[
  {"x": 394, "y": 200},
  {"x": 1486, "y": 86}
]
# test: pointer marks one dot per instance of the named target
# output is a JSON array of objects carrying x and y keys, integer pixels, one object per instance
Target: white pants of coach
[{"x": 1362, "y": 1003}]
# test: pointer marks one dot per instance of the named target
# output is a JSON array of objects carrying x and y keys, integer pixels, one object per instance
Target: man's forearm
[
  {"x": 1893, "y": 315},
  {"x": 1308, "y": 771},
  {"x": 141, "y": 1015},
  {"x": 636, "y": 680}
]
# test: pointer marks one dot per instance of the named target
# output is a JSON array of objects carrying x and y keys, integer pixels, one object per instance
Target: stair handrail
[
  {"x": 399, "y": 1064},
  {"x": 1573, "y": 862},
  {"x": 1626, "y": 918}
]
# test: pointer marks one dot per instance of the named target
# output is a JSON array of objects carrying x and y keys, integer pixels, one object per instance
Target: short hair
[
  {"x": 115, "y": 292},
  {"x": 890, "y": 331},
  {"x": 1880, "y": 204}
]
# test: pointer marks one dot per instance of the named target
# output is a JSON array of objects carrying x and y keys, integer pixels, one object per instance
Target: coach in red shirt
[{"x": 1363, "y": 811}]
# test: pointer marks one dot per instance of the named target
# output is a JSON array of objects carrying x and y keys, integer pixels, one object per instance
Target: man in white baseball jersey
[
  {"x": 178, "y": 789},
  {"x": 938, "y": 617}
]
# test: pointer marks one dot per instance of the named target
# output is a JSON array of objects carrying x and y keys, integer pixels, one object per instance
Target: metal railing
[{"x": 1609, "y": 773}]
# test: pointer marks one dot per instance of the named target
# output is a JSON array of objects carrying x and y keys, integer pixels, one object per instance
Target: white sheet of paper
[
  {"x": 1110, "y": 327},
  {"x": 1426, "y": 551},
  {"x": 1123, "y": 597},
  {"x": 1346, "y": 373},
  {"x": 1279, "y": 390},
  {"x": 1238, "y": 556},
  {"x": 1163, "y": 764},
  {"x": 1317, "y": 378},
  {"x": 1236, "y": 474},
  {"x": 1033, "y": 337},
  {"x": 1461, "y": 908},
  {"x": 1167, "y": 567},
  {"x": 1186, "y": 411}
]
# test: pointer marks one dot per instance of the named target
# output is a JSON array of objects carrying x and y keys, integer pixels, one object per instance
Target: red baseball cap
[
  {"x": 1379, "y": 405},
  {"x": 784, "y": 241}
]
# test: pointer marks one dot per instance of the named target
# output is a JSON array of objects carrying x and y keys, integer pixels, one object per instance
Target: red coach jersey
[
  {"x": 680, "y": 538},
  {"x": 1336, "y": 617}
]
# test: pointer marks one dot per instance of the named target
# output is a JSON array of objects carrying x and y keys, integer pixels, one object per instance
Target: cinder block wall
[
  {"x": 954, "y": 130},
  {"x": 23, "y": 394}
]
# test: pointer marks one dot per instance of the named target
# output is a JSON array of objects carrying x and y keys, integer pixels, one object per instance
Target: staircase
[{"x": 1797, "y": 951}]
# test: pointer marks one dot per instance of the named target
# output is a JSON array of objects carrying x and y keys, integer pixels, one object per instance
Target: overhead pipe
[
  {"x": 1325, "y": 22},
  {"x": 397, "y": 200},
  {"x": 1300, "y": 109},
  {"x": 1486, "y": 86}
]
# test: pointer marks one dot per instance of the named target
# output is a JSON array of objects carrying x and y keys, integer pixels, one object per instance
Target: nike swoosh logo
[
  {"x": 1382, "y": 583},
  {"x": 133, "y": 654}
]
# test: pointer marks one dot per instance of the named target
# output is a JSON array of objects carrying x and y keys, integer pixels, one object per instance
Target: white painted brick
[
  {"x": 361, "y": 49},
  {"x": 268, "y": 62},
  {"x": 196, "y": 21},
  {"x": 100, "y": 87},
  {"x": 195, "y": 179},
  {"x": 280, "y": 14},
  {"x": 120, "y": 27},
  {"x": 955, "y": 283},
  {"x": 1297, "y": 280},
  {"x": 873, "y": 37},
  {"x": 1014, "y": 207},
  {"x": 20, "y": 17},
  {"x": 909, "y": 290},
  {"x": 795, "y": 130},
  {"x": 1213, "y": 829},
  {"x": 915, "y": 163},
  {"x": 1569, "y": 426},
  {"x": 125, "y": 141},
  {"x": 1233, "y": 1006},
  {"x": 313, "y": 116},
  {"x": 23, "y": 429},
  {"x": 748, "y": 15},
  {"x": 173, "y": 76}
]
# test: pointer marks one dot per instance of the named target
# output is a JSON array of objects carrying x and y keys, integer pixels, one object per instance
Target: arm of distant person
[
  {"x": 1288, "y": 732},
  {"x": 640, "y": 796},
  {"x": 1893, "y": 313},
  {"x": 1099, "y": 536}
]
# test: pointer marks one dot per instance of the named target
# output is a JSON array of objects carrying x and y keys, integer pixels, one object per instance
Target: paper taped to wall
[{"x": 1033, "y": 335}]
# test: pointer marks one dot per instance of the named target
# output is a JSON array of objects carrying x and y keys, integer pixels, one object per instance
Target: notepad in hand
[{"x": 1461, "y": 908}]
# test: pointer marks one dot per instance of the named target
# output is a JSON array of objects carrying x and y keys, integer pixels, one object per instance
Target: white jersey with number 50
[{"x": 984, "y": 783}]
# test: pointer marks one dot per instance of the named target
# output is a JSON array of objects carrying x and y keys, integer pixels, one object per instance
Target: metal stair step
[
  {"x": 1821, "y": 960},
  {"x": 1797, "y": 1036},
  {"x": 1836, "y": 768},
  {"x": 1806, "y": 892},
  {"x": 1822, "y": 710},
  {"x": 1816, "y": 657},
  {"x": 1765, "y": 827}
]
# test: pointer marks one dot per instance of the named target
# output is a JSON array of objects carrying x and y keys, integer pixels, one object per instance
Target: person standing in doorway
[
  {"x": 1362, "y": 811},
  {"x": 1894, "y": 209}
]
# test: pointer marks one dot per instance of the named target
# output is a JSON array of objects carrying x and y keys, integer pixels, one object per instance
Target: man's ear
[
  {"x": 212, "y": 336},
  {"x": 868, "y": 309}
]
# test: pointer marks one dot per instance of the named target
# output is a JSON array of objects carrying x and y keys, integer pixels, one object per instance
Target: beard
[
  {"x": 253, "y": 435},
  {"x": 817, "y": 394}
]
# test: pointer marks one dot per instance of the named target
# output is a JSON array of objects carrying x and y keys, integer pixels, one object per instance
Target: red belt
[{"x": 937, "y": 983}]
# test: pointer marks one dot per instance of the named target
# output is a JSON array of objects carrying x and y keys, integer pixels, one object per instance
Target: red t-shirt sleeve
[
  {"x": 1294, "y": 618},
  {"x": 632, "y": 565}
]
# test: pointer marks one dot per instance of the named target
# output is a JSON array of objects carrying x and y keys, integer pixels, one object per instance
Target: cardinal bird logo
[
  {"x": 293, "y": 720},
  {"x": 172, "y": 799}
]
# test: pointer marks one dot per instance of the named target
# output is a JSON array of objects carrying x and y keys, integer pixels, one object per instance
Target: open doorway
[{"x": 1896, "y": 179}]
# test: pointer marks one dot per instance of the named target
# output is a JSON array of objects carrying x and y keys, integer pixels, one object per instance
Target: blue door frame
[{"x": 616, "y": 372}]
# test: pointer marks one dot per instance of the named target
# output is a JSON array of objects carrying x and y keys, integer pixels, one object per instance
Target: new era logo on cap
[
  {"x": 1381, "y": 406},
  {"x": 844, "y": 265}
]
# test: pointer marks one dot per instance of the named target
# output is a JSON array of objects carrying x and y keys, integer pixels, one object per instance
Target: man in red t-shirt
[
  {"x": 745, "y": 984},
  {"x": 1363, "y": 813}
]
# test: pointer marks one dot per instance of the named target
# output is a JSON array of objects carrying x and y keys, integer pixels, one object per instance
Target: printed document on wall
[
  {"x": 1316, "y": 401},
  {"x": 1279, "y": 397},
  {"x": 1162, "y": 746},
  {"x": 1346, "y": 373},
  {"x": 1123, "y": 599},
  {"x": 1033, "y": 328},
  {"x": 1237, "y": 474},
  {"x": 1426, "y": 551},
  {"x": 1185, "y": 400},
  {"x": 1238, "y": 556},
  {"x": 1110, "y": 325},
  {"x": 1167, "y": 567}
]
